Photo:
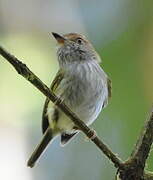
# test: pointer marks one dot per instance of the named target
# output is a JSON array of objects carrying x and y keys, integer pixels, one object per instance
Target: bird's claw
[{"x": 94, "y": 134}]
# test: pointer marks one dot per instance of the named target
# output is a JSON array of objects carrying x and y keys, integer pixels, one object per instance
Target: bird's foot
[
  {"x": 58, "y": 101},
  {"x": 93, "y": 135}
]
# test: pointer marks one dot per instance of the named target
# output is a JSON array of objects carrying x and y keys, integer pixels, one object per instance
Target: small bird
[{"x": 80, "y": 83}]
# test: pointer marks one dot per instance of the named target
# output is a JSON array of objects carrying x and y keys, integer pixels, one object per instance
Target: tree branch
[
  {"x": 24, "y": 71},
  {"x": 148, "y": 175},
  {"x": 143, "y": 145},
  {"x": 134, "y": 166}
]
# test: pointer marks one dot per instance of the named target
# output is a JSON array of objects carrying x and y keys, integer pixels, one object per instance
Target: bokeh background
[{"x": 122, "y": 33}]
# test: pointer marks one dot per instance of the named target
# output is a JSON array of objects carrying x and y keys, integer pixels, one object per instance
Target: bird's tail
[{"x": 47, "y": 137}]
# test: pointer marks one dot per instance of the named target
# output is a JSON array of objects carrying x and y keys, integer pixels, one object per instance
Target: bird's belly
[
  {"x": 86, "y": 113},
  {"x": 86, "y": 106},
  {"x": 90, "y": 109}
]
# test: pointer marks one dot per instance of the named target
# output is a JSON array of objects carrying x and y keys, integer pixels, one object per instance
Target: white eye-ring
[{"x": 79, "y": 41}]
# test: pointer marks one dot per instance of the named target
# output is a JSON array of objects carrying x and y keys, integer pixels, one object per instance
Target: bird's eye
[{"x": 79, "y": 41}]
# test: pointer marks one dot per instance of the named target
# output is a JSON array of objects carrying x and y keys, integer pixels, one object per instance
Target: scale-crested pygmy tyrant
[{"x": 80, "y": 83}]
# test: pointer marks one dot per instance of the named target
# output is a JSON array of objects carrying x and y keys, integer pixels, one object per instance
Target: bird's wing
[
  {"x": 54, "y": 85},
  {"x": 109, "y": 89},
  {"x": 47, "y": 131},
  {"x": 109, "y": 86}
]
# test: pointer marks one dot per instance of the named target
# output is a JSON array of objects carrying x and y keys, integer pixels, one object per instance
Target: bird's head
[{"x": 74, "y": 48}]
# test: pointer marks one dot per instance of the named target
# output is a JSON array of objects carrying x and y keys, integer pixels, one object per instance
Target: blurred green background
[{"x": 122, "y": 33}]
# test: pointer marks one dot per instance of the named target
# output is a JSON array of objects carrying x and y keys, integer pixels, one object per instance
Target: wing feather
[
  {"x": 109, "y": 86},
  {"x": 54, "y": 85}
]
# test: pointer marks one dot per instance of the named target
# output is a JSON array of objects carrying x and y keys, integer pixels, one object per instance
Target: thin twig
[
  {"x": 143, "y": 145},
  {"x": 24, "y": 71},
  {"x": 134, "y": 166}
]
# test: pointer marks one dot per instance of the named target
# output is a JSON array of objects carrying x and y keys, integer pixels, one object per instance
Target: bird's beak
[{"x": 60, "y": 39}]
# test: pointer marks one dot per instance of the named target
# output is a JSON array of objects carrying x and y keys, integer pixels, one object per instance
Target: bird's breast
[{"x": 85, "y": 90}]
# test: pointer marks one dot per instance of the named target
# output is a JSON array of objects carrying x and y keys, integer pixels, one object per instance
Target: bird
[{"x": 80, "y": 83}]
